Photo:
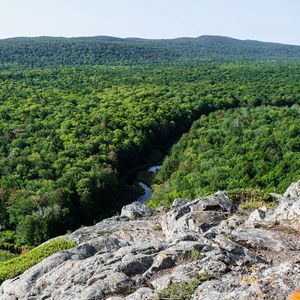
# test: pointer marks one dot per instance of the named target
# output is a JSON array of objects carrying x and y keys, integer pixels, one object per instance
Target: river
[{"x": 147, "y": 189}]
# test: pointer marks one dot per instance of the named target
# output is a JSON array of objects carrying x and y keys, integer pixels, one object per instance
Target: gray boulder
[
  {"x": 180, "y": 202},
  {"x": 136, "y": 210},
  {"x": 293, "y": 190}
]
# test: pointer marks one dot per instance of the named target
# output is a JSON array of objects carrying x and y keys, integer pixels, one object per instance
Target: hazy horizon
[
  {"x": 269, "y": 20},
  {"x": 135, "y": 37}
]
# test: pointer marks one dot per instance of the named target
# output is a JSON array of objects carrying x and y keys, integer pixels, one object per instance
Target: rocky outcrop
[
  {"x": 140, "y": 253},
  {"x": 293, "y": 190},
  {"x": 136, "y": 210}
]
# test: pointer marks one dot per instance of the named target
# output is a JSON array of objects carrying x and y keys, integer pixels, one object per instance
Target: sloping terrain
[
  {"x": 70, "y": 136},
  {"x": 234, "y": 148},
  {"x": 52, "y": 51},
  {"x": 202, "y": 249}
]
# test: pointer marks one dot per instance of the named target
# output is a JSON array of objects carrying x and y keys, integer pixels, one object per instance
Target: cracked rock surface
[{"x": 136, "y": 255}]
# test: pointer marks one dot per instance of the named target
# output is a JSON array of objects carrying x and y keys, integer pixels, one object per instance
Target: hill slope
[
  {"x": 242, "y": 147},
  {"x": 52, "y": 51},
  {"x": 205, "y": 249}
]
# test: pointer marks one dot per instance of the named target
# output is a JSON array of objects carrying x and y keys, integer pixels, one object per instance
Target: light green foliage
[
  {"x": 69, "y": 136},
  {"x": 15, "y": 266},
  {"x": 238, "y": 148},
  {"x": 195, "y": 254},
  {"x": 157, "y": 227},
  {"x": 183, "y": 290}
]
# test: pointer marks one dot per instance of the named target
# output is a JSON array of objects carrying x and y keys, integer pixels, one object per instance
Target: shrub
[
  {"x": 6, "y": 255},
  {"x": 183, "y": 290},
  {"x": 8, "y": 241},
  {"x": 157, "y": 227},
  {"x": 16, "y": 266},
  {"x": 250, "y": 199}
]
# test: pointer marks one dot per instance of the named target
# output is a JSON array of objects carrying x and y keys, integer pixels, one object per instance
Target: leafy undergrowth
[
  {"x": 16, "y": 266},
  {"x": 183, "y": 290},
  {"x": 6, "y": 255},
  {"x": 246, "y": 200}
]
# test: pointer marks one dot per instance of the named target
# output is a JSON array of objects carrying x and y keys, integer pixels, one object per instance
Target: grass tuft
[{"x": 183, "y": 290}]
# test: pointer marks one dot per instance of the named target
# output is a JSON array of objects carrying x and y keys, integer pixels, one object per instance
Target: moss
[
  {"x": 183, "y": 290},
  {"x": 16, "y": 266}
]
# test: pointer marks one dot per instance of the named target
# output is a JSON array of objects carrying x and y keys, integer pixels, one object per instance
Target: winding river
[{"x": 147, "y": 189}]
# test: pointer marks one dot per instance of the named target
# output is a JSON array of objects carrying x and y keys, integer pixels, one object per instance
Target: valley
[{"x": 82, "y": 122}]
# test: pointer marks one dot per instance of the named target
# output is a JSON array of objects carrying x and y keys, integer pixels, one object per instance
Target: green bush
[
  {"x": 16, "y": 266},
  {"x": 250, "y": 199},
  {"x": 8, "y": 241},
  {"x": 6, "y": 255},
  {"x": 183, "y": 290}
]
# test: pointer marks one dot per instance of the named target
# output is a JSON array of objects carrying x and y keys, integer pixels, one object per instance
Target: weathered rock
[
  {"x": 260, "y": 239},
  {"x": 198, "y": 215},
  {"x": 180, "y": 202},
  {"x": 257, "y": 217},
  {"x": 130, "y": 258},
  {"x": 286, "y": 213},
  {"x": 96, "y": 268},
  {"x": 293, "y": 190},
  {"x": 261, "y": 283},
  {"x": 136, "y": 210},
  {"x": 201, "y": 221},
  {"x": 216, "y": 202},
  {"x": 140, "y": 294}
]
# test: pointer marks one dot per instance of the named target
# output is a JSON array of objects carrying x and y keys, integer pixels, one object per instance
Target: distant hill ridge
[{"x": 106, "y": 50}]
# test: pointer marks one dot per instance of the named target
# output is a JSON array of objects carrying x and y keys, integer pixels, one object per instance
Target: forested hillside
[
  {"x": 238, "y": 148},
  {"x": 43, "y": 52},
  {"x": 69, "y": 136}
]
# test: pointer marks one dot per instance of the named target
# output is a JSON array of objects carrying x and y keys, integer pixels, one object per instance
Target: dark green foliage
[
  {"x": 246, "y": 200},
  {"x": 70, "y": 136},
  {"x": 240, "y": 148},
  {"x": 17, "y": 265},
  {"x": 8, "y": 241},
  {"x": 6, "y": 255},
  {"x": 49, "y": 51},
  {"x": 146, "y": 177}
]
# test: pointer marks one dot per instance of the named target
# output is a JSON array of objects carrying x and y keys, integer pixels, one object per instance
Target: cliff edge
[{"x": 202, "y": 249}]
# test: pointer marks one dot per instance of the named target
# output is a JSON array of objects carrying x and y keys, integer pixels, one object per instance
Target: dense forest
[
  {"x": 43, "y": 52},
  {"x": 237, "y": 148},
  {"x": 78, "y": 116},
  {"x": 68, "y": 136}
]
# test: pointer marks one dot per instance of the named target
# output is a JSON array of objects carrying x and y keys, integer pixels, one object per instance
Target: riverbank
[{"x": 145, "y": 180}]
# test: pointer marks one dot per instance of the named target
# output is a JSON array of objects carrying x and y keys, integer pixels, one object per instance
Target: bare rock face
[
  {"x": 293, "y": 190},
  {"x": 136, "y": 255},
  {"x": 257, "y": 284},
  {"x": 136, "y": 210}
]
